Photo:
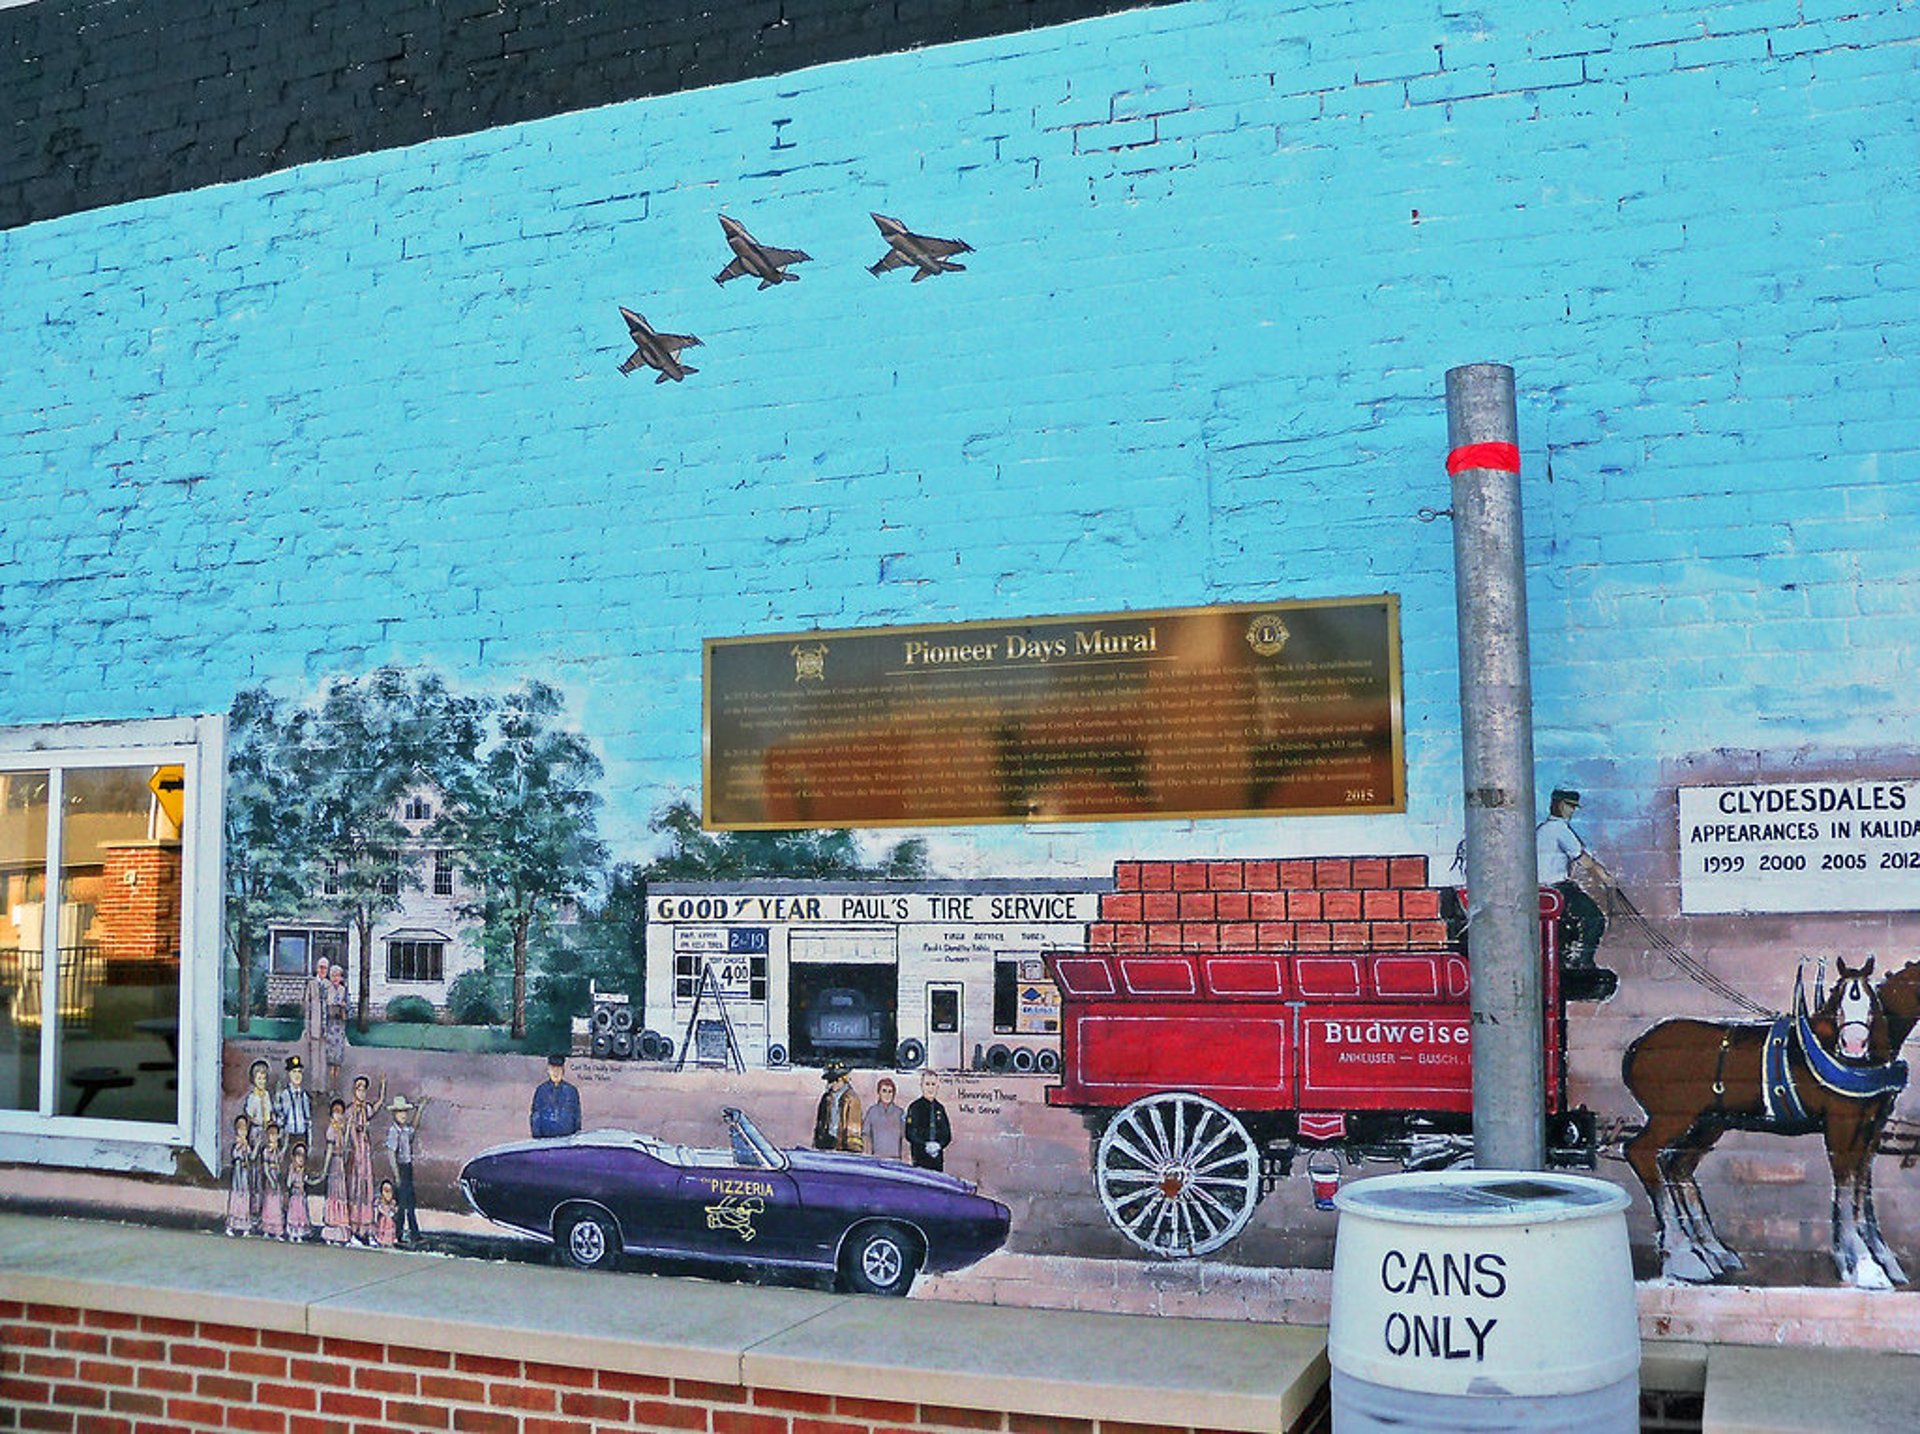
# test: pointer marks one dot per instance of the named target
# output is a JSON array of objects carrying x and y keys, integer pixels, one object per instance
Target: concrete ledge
[
  {"x": 1753, "y": 1390},
  {"x": 1214, "y": 1374},
  {"x": 1673, "y": 1366}
]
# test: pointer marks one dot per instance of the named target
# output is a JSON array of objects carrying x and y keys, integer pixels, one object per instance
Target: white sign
[
  {"x": 881, "y": 907},
  {"x": 700, "y": 938},
  {"x": 1800, "y": 846}
]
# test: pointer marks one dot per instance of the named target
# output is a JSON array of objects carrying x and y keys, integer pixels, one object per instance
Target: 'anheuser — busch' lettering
[{"x": 1397, "y": 1033}]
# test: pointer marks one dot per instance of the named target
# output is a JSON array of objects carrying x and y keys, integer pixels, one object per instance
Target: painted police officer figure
[
  {"x": 929, "y": 1132},
  {"x": 556, "y": 1103},
  {"x": 293, "y": 1103}
]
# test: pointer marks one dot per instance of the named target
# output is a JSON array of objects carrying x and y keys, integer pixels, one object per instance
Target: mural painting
[
  {"x": 1201, "y": 1039},
  {"x": 808, "y": 1052},
  {"x": 1189, "y": 1035},
  {"x": 515, "y": 948}
]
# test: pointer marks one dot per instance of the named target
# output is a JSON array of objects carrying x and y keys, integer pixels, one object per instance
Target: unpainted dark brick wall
[{"x": 105, "y": 101}]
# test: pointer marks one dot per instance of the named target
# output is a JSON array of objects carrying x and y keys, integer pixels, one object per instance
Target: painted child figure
[
  {"x": 271, "y": 1185},
  {"x": 299, "y": 1213},
  {"x": 242, "y": 1174},
  {"x": 386, "y": 1217}
]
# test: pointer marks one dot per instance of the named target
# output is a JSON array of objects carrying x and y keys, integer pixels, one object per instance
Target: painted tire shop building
[{"x": 946, "y": 975}]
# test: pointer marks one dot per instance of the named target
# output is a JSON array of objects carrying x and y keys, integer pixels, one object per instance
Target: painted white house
[{"x": 419, "y": 948}]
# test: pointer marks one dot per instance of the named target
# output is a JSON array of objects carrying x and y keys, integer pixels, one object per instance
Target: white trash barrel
[{"x": 1484, "y": 1300}]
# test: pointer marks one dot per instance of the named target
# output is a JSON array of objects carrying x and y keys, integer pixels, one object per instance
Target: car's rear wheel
[
  {"x": 880, "y": 1260},
  {"x": 589, "y": 1240}
]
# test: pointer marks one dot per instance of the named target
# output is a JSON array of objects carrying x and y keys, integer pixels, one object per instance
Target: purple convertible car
[{"x": 874, "y": 1223}]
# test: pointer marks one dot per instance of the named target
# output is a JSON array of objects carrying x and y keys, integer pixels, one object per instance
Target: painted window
[
  {"x": 736, "y": 975},
  {"x": 415, "y": 960},
  {"x": 109, "y": 940},
  {"x": 417, "y": 809},
  {"x": 296, "y": 949},
  {"x": 443, "y": 873}
]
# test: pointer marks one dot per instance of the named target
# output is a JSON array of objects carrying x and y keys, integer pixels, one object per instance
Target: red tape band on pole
[{"x": 1503, "y": 457}]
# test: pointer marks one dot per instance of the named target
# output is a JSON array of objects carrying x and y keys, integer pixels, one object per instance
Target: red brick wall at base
[{"x": 93, "y": 1372}]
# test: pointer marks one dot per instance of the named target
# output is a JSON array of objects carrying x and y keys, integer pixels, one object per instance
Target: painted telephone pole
[{"x": 1496, "y": 729}]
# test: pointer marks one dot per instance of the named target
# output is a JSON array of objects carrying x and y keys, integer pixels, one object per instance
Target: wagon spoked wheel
[{"x": 1179, "y": 1175}]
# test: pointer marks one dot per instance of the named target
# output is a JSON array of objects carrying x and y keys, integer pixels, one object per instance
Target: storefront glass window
[
  {"x": 109, "y": 940},
  {"x": 23, "y": 878},
  {"x": 119, "y": 951}
]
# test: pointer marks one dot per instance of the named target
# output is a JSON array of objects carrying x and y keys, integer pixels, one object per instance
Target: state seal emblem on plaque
[
  {"x": 1266, "y": 634},
  {"x": 810, "y": 662}
]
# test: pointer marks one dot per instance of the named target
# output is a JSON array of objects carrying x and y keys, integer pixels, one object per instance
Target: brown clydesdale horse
[{"x": 1833, "y": 1071}]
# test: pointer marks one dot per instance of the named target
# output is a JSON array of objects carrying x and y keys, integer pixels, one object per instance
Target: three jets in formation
[{"x": 661, "y": 352}]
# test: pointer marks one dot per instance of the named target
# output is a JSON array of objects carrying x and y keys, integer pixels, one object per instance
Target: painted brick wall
[
  {"x": 74, "y": 1371},
  {"x": 1326, "y": 903},
  {"x": 113, "y": 100}
]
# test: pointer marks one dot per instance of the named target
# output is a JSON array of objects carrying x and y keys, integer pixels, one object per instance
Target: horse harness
[{"x": 1783, "y": 1108}]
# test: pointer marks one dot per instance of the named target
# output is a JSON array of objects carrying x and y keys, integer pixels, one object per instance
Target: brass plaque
[{"x": 1256, "y": 709}]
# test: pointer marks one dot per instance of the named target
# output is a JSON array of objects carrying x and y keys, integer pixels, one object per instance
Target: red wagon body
[{"x": 1221, "y": 1063}]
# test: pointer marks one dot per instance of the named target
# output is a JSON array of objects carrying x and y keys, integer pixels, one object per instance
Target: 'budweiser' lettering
[{"x": 1397, "y": 1033}]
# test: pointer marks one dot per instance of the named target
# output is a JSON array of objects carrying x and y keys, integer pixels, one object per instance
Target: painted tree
[
  {"x": 371, "y": 740},
  {"x": 269, "y": 857},
  {"x": 699, "y": 855},
  {"x": 520, "y": 820}
]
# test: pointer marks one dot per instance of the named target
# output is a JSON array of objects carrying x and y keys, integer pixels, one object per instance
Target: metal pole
[{"x": 1496, "y": 729}]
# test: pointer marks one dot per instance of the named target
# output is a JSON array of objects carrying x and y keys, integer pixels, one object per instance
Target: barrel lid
[{"x": 1481, "y": 1197}]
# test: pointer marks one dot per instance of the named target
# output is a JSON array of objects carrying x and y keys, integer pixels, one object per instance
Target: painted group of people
[
  {"x": 273, "y": 1175},
  {"x": 920, "y": 1133}
]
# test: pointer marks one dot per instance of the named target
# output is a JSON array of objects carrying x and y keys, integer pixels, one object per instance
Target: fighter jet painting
[
  {"x": 763, "y": 261},
  {"x": 927, "y": 255},
  {"x": 657, "y": 351}
]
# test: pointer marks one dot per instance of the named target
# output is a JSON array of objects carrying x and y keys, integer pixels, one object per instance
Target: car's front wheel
[
  {"x": 589, "y": 1240},
  {"x": 880, "y": 1260}
]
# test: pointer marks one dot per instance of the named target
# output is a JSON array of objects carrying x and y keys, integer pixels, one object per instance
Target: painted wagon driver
[{"x": 1562, "y": 858}]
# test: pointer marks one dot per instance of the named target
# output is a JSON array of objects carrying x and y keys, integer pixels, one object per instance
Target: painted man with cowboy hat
[
  {"x": 836, "y": 1121},
  {"x": 406, "y": 1116}
]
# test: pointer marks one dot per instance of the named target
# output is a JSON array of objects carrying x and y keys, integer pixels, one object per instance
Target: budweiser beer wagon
[{"x": 1213, "y": 1070}]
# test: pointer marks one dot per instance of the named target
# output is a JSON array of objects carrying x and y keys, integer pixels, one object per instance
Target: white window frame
[{"x": 199, "y": 745}]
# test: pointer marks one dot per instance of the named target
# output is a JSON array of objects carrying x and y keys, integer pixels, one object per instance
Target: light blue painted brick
[
  {"x": 1451, "y": 84},
  {"x": 979, "y": 424}
]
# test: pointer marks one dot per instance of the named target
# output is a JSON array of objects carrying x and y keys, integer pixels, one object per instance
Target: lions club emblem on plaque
[{"x": 1266, "y": 634}]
